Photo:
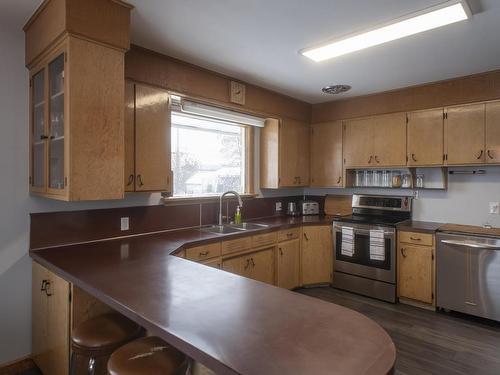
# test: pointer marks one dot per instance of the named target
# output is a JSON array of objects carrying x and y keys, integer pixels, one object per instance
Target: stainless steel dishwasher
[{"x": 468, "y": 274}]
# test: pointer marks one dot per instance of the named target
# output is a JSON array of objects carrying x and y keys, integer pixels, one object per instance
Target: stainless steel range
[{"x": 365, "y": 245}]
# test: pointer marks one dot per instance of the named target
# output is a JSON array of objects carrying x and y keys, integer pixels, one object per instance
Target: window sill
[{"x": 201, "y": 199}]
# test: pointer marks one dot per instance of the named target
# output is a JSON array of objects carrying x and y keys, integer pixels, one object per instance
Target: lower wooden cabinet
[
  {"x": 316, "y": 255},
  {"x": 50, "y": 321},
  {"x": 416, "y": 268},
  {"x": 288, "y": 264},
  {"x": 257, "y": 265}
]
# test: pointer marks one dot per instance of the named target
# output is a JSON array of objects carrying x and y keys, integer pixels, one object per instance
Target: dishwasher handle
[{"x": 476, "y": 245}]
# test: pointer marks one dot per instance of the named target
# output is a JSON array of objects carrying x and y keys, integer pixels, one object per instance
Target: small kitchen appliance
[{"x": 308, "y": 207}]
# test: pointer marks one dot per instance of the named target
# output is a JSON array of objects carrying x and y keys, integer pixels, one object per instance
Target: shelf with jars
[{"x": 398, "y": 178}]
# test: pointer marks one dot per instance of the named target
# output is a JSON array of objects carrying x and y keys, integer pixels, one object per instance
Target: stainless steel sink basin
[
  {"x": 233, "y": 228},
  {"x": 249, "y": 226}
]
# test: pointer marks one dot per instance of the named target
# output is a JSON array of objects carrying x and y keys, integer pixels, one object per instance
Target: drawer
[
  {"x": 215, "y": 263},
  {"x": 204, "y": 251},
  {"x": 264, "y": 239},
  {"x": 288, "y": 234},
  {"x": 424, "y": 239},
  {"x": 239, "y": 244}
]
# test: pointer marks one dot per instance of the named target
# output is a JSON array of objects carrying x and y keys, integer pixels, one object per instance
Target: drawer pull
[
  {"x": 204, "y": 253},
  {"x": 415, "y": 238}
]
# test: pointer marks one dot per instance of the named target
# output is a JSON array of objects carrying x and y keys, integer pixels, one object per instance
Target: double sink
[{"x": 233, "y": 228}]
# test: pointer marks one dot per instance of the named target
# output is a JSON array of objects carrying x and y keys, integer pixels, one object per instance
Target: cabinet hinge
[
  {"x": 65, "y": 181},
  {"x": 432, "y": 257},
  {"x": 70, "y": 296},
  {"x": 407, "y": 120},
  {"x": 65, "y": 57},
  {"x": 432, "y": 296},
  {"x": 30, "y": 81},
  {"x": 407, "y": 158}
]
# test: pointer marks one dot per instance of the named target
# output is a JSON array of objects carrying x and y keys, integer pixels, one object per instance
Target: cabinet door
[
  {"x": 326, "y": 154},
  {"x": 425, "y": 138},
  {"x": 415, "y": 272},
  {"x": 38, "y": 132},
  {"x": 129, "y": 136},
  {"x": 464, "y": 134},
  {"x": 317, "y": 255},
  {"x": 288, "y": 264},
  {"x": 389, "y": 140},
  {"x": 39, "y": 311},
  {"x": 294, "y": 153},
  {"x": 258, "y": 266},
  {"x": 358, "y": 143},
  {"x": 493, "y": 132},
  {"x": 152, "y": 139},
  {"x": 50, "y": 321}
]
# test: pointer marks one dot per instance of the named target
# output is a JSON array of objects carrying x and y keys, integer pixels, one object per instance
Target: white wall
[{"x": 465, "y": 202}]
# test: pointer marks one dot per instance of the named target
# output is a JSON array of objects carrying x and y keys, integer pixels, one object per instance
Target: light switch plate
[
  {"x": 124, "y": 223},
  {"x": 494, "y": 208},
  {"x": 237, "y": 93}
]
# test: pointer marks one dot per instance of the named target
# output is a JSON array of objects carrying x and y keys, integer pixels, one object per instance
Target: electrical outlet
[
  {"x": 278, "y": 206},
  {"x": 124, "y": 223},
  {"x": 494, "y": 208}
]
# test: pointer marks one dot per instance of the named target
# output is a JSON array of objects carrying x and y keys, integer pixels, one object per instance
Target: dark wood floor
[{"x": 428, "y": 342}]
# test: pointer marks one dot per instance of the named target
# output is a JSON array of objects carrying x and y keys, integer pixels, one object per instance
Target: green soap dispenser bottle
[{"x": 237, "y": 215}]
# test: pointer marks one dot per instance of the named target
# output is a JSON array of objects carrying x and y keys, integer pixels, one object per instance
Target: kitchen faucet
[{"x": 240, "y": 202}]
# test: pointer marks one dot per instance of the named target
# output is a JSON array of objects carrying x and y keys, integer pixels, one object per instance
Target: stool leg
[
  {"x": 72, "y": 364},
  {"x": 91, "y": 367}
]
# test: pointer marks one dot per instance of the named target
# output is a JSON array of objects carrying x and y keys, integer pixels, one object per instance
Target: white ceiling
[{"x": 258, "y": 41}]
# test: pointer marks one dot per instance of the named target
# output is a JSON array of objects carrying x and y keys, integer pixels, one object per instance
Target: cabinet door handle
[
  {"x": 413, "y": 157},
  {"x": 139, "y": 180},
  {"x": 415, "y": 239},
  {"x": 281, "y": 251},
  {"x": 370, "y": 160},
  {"x": 253, "y": 263},
  {"x": 43, "y": 137},
  {"x": 47, "y": 286},
  {"x": 130, "y": 180},
  {"x": 305, "y": 236},
  {"x": 340, "y": 179},
  {"x": 490, "y": 155},
  {"x": 247, "y": 264},
  {"x": 403, "y": 252},
  {"x": 43, "y": 287},
  {"x": 480, "y": 155},
  {"x": 376, "y": 159}
]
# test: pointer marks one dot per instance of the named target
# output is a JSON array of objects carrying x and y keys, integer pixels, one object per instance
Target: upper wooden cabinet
[
  {"x": 76, "y": 98},
  {"x": 493, "y": 132},
  {"x": 378, "y": 141},
  {"x": 425, "y": 138},
  {"x": 326, "y": 154},
  {"x": 465, "y": 134},
  {"x": 147, "y": 139},
  {"x": 284, "y": 154}
]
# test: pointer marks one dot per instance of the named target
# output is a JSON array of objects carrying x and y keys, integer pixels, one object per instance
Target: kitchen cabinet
[
  {"x": 425, "y": 138},
  {"x": 50, "y": 321},
  {"x": 326, "y": 154},
  {"x": 288, "y": 264},
  {"x": 378, "y": 141},
  {"x": 416, "y": 267},
  {"x": 465, "y": 134},
  {"x": 147, "y": 139},
  {"x": 257, "y": 265},
  {"x": 284, "y": 154},
  {"x": 76, "y": 100},
  {"x": 316, "y": 255},
  {"x": 492, "y": 133}
]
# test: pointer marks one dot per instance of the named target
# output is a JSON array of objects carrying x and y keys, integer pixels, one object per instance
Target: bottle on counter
[{"x": 237, "y": 215}]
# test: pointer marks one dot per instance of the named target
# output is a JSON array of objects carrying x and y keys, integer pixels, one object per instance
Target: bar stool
[
  {"x": 148, "y": 355},
  {"x": 100, "y": 336}
]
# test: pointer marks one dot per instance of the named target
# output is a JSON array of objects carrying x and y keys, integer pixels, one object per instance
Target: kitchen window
[{"x": 211, "y": 150}]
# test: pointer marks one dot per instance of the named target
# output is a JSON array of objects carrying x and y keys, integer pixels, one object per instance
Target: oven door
[{"x": 360, "y": 263}]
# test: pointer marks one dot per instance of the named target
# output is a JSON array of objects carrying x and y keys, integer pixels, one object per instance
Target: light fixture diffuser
[{"x": 428, "y": 19}]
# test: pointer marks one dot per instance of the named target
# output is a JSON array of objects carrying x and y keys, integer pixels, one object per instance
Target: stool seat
[
  {"x": 148, "y": 355},
  {"x": 104, "y": 333}
]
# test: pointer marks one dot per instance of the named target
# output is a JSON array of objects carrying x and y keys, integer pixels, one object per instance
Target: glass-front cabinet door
[
  {"x": 38, "y": 137},
  {"x": 56, "y": 124}
]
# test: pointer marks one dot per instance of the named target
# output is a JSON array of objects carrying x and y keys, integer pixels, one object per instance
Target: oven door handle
[{"x": 364, "y": 231}]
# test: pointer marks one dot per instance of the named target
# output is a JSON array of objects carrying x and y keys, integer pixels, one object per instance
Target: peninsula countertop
[{"x": 232, "y": 324}]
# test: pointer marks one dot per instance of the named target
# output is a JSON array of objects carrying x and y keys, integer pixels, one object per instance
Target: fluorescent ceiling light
[{"x": 428, "y": 19}]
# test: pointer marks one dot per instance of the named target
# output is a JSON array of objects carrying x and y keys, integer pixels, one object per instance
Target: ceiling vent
[{"x": 336, "y": 89}]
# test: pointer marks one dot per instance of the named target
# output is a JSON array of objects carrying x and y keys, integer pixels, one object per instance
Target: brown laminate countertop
[
  {"x": 231, "y": 324},
  {"x": 419, "y": 226},
  {"x": 470, "y": 229}
]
